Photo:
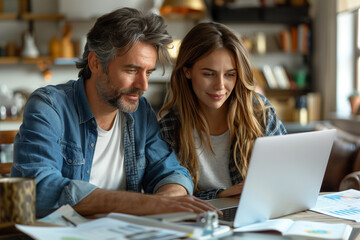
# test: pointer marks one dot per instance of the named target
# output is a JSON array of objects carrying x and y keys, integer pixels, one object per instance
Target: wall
[{"x": 324, "y": 14}]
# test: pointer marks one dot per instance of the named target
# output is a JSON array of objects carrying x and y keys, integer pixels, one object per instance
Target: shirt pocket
[
  {"x": 140, "y": 161},
  {"x": 73, "y": 161}
]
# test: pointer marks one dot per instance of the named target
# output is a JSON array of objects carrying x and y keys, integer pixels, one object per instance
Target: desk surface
[
  {"x": 318, "y": 217},
  {"x": 304, "y": 215}
]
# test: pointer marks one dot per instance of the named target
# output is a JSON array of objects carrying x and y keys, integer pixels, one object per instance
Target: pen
[{"x": 69, "y": 221}]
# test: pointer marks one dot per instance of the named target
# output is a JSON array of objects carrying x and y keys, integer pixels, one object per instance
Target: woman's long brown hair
[{"x": 245, "y": 119}]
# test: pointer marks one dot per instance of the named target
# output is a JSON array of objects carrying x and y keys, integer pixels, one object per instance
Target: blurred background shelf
[
  {"x": 9, "y": 60},
  {"x": 281, "y": 14}
]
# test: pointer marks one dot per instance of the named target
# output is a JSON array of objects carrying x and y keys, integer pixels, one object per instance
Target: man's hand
[
  {"x": 184, "y": 204},
  {"x": 188, "y": 203},
  {"x": 233, "y": 191}
]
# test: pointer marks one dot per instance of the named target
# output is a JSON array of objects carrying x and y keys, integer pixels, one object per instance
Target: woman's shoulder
[
  {"x": 274, "y": 126},
  {"x": 169, "y": 118},
  {"x": 169, "y": 123},
  {"x": 263, "y": 99}
]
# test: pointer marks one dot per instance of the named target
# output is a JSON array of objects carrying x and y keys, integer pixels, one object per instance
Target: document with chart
[
  {"x": 345, "y": 204},
  {"x": 102, "y": 228}
]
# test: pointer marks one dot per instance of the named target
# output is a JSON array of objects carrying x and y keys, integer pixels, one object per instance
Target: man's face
[{"x": 127, "y": 77}]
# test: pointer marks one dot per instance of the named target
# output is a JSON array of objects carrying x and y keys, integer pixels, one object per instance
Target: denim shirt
[
  {"x": 56, "y": 144},
  {"x": 170, "y": 124}
]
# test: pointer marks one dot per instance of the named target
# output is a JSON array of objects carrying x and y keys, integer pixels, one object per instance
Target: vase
[
  {"x": 29, "y": 50},
  {"x": 354, "y": 103}
]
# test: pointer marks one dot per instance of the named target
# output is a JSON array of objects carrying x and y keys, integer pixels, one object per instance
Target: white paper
[
  {"x": 192, "y": 230},
  {"x": 320, "y": 230},
  {"x": 345, "y": 204},
  {"x": 288, "y": 227},
  {"x": 103, "y": 228},
  {"x": 280, "y": 225},
  {"x": 67, "y": 211}
]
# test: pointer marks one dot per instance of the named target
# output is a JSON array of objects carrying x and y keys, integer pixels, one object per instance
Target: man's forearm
[{"x": 105, "y": 201}]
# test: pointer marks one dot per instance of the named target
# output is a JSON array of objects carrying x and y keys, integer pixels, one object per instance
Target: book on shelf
[
  {"x": 290, "y": 77},
  {"x": 270, "y": 77},
  {"x": 301, "y": 229},
  {"x": 303, "y": 38},
  {"x": 285, "y": 40},
  {"x": 296, "y": 39},
  {"x": 281, "y": 77},
  {"x": 260, "y": 78}
]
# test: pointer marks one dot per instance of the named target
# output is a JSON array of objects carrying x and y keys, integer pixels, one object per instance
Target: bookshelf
[
  {"x": 284, "y": 69},
  {"x": 19, "y": 16}
]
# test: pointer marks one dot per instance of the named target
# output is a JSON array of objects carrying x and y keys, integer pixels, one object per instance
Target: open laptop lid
[{"x": 284, "y": 176}]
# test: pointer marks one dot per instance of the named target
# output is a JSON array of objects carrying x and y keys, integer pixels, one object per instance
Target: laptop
[{"x": 284, "y": 176}]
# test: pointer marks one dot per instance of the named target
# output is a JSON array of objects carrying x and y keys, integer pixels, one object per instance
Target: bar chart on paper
[
  {"x": 346, "y": 212},
  {"x": 345, "y": 204}
]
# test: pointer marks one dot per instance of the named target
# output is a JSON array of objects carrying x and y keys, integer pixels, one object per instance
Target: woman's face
[{"x": 213, "y": 78}]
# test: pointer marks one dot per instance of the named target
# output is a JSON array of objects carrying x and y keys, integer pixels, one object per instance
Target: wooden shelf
[
  {"x": 286, "y": 92},
  {"x": 18, "y": 60},
  {"x": 47, "y": 59},
  {"x": 9, "y": 60},
  {"x": 281, "y": 14},
  {"x": 10, "y": 119},
  {"x": 36, "y": 60},
  {"x": 29, "y": 17},
  {"x": 32, "y": 16},
  {"x": 42, "y": 17},
  {"x": 8, "y": 16}
]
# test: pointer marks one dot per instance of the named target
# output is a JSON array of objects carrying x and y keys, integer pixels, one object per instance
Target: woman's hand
[{"x": 233, "y": 191}]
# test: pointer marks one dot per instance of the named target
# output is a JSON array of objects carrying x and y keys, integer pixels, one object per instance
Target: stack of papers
[
  {"x": 103, "y": 228},
  {"x": 345, "y": 205},
  {"x": 113, "y": 226}
]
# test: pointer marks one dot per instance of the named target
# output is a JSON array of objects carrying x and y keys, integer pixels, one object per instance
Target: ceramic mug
[{"x": 17, "y": 201}]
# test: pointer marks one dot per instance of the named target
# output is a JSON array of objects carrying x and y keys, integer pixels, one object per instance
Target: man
[{"x": 93, "y": 143}]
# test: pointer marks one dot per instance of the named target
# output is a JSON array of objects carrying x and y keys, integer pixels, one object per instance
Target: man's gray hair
[{"x": 115, "y": 33}]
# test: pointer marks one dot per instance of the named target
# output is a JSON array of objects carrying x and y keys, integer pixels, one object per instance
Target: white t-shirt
[
  {"x": 108, "y": 167},
  {"x": 214, "y": 169}
]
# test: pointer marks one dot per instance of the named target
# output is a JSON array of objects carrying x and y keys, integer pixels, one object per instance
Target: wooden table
[
  {"x": 318, "y": 217},
  {"x": 304, "y": 215}
]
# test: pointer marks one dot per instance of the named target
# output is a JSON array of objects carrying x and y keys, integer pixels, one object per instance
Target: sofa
[{"x": 343, "y": 169}]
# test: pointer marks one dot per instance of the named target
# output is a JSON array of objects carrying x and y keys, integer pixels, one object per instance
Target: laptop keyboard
[{"x": 228, "y": 214}]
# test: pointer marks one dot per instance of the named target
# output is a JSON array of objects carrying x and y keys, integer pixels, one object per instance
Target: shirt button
[
  {"x": 87, "y": 171},
  {"x": 93, "y": 122},
  {"x": 69, "y": 160},
  {"x": 92, "y": 145}
]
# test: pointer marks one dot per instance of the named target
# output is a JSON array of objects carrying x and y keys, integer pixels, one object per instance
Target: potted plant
[{"x": 354, "y": 100}]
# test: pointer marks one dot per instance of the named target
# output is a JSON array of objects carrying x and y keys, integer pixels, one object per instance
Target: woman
[{"x": 212, "y": 114}]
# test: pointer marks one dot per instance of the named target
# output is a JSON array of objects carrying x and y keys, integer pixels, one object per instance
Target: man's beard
[{"x": 117, "y": 99}]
